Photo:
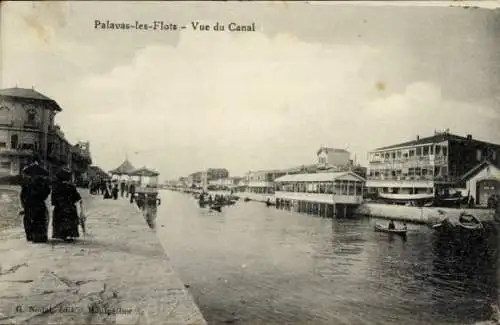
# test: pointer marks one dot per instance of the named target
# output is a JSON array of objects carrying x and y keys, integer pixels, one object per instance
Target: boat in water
[
  {"x": 216, "y": 207},
  {"x": 465, "y": 221},
  {"x": 400, "y": 232}
]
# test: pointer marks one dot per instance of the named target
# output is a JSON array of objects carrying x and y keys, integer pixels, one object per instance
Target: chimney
[
  {"x": 418, "y": 137},
  {"x": 469, "y": 137}
]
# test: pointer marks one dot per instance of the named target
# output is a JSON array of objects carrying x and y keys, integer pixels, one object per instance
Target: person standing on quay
[
  {"x": 131, "y": 190},
  {"x": 122, "y": 188},
  {"x": 64, "y": 198},
  {"x": 34, "y": 191}
]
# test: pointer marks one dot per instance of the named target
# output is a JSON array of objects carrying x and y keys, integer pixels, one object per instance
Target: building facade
[
  {"x": 217, "y": 173},
  {"x": 320, "y": 193},
  {"x": 28, "y": 130},
  {"x": 333, "y": 157},
  {"x": 424, "y": 168}
]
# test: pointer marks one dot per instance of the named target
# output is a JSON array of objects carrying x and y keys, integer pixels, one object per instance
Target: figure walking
[
  {"x": 64, "y": 198},
  {"x": 131, "y": 190},
  {"x": 122, "y": 188},
  {"x": 34, "y": 191}
]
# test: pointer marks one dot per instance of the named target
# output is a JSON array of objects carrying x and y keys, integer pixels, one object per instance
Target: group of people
[
  {"x": 36, "y": 188},
  {"x": 112, "y": 189}
]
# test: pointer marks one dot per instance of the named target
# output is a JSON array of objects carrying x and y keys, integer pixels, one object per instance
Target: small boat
[
  {"x": 401, "y": 232},
  {"x": 247, "y": 199},
  {"x": 268, "y": 203},
  {"x": 469, "y": 222},
  {"x": 216, "y": 207}
]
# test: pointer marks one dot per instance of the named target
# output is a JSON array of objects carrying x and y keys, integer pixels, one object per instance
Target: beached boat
[
  {"x": 216, "y": 207},
  {"x": 469, "y": 222},
  {"x": 465, "y": 222},
  {"x": 247, "y": 199},
  {"x": 401, "y": 232}
]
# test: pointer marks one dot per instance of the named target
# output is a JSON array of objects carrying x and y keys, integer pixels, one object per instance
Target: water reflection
[
  {"x": 251, "y": 264},
  {"x": 465, "y": 271}
]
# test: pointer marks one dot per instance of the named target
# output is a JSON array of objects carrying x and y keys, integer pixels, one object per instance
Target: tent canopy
[
  {"x": 124, "y": 169},
  {"x": 143, "y": 171}
]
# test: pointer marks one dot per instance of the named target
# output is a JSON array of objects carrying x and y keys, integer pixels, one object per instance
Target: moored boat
[
  {"x": 469, "y": 222},
  {"x": 216, "y": 207},
  {"x": 400, "y": 232}
]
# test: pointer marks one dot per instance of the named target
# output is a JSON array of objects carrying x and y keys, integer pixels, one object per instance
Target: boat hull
[{"x": 399, "y": 232}]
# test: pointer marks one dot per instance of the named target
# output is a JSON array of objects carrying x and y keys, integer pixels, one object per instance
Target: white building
[
  {"x": 27, "y": 129},
  {"x": 482, "y": 182},
  {"x": 328, "y": 157}
]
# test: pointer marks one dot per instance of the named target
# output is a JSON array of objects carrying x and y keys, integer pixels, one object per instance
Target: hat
[
  {"x": 64, "y": 174},
  {"x": 34, "y": 169}
]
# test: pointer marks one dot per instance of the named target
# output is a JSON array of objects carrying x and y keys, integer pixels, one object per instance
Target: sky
[{"x": 312, "y": 74}]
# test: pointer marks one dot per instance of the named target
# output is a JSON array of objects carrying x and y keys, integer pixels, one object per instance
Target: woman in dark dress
[
  {"x": 64, "y": 198},
  {"x": 34, "y": 191}
]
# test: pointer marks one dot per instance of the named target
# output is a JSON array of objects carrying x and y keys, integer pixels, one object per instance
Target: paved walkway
[{"x": 118, "y": 274}]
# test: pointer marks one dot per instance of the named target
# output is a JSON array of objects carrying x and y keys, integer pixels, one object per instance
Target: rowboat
[
  {"x": 400, "y": 232},
  {"x": 469, "y": 222},
  {"x": 216, "y": 207},
  {"x": 465, "y": 222}
]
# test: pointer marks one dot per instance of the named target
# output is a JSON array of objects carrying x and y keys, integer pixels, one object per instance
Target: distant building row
[
  {"x": 443, "y": 166},
  {"x": 28, "y": 130}
]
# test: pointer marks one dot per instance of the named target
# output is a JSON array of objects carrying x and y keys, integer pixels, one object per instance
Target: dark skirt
[
  {"x": 36, "y": 221},
  {"x": 65, "y": 222}
]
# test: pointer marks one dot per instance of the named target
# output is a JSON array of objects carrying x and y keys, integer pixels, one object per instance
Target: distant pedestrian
[
  {"x": 131, "y": 190},
  {"x": 64, "y": 198},
  {"x": 122, "y": 188},
  {"x": 34, "y": 191},
  {"x": 114, "y": 191}
]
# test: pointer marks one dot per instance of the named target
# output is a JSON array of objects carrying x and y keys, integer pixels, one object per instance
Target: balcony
[
  {"x": 19, "y": 151},
  {"x": 405, "y": 179},
  {"x": 31, "y": 125}
]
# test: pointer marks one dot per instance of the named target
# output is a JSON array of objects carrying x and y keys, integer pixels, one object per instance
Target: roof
[
  {"x": 328, "y": 149},
  {"x": 97, "y": 173},
  {"x": 478, "y": 168},
  {"x": 124, "y": 169},
  {"x": 319, "y": 177},
  {"x": 30, "y": 94},
  {"x": 143, "y": 171},
  {"x": 439, "y": 137}
]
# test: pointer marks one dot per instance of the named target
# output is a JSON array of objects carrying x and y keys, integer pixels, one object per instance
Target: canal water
[{"x": 251, "y": 264}]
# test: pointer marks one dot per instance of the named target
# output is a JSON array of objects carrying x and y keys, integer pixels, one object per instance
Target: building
[
  {"x": 260, "y": 184},
  {"x": 320, "y": 193},
  {"x": 217, "y": 173},
  {"x": 482, "y": 182},
  {"x": 424, "y": 168},
  {"x": 80, "y": 163},
  {"x": 28, "y": 130},
  {"x": 123, "y": 171},
  {"x": 145, "y": 177},
  {"x": 333, "y": 157},
  {"x": 195, "y": 179}
]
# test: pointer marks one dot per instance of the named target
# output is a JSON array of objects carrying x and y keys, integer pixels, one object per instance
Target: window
[
  {"x": 5, "y": 164},
  {"x": 419, "y": 151},
  {"x": 393, "y": 155},
  {"x": 3, "y": 145},
  {"x": 431, "y": 150},
  {"x": 412, "y": 152},
  {"x": 438, "y": 150},
  {"x": 478, "y": 155},
  {"x": 14, "y": 141},
  {"x": 426, "y": 151},
  {"x": 399, "y": 154},
  {"x": 31, "y": 116},
  {"x": 445, "y": 151}
]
